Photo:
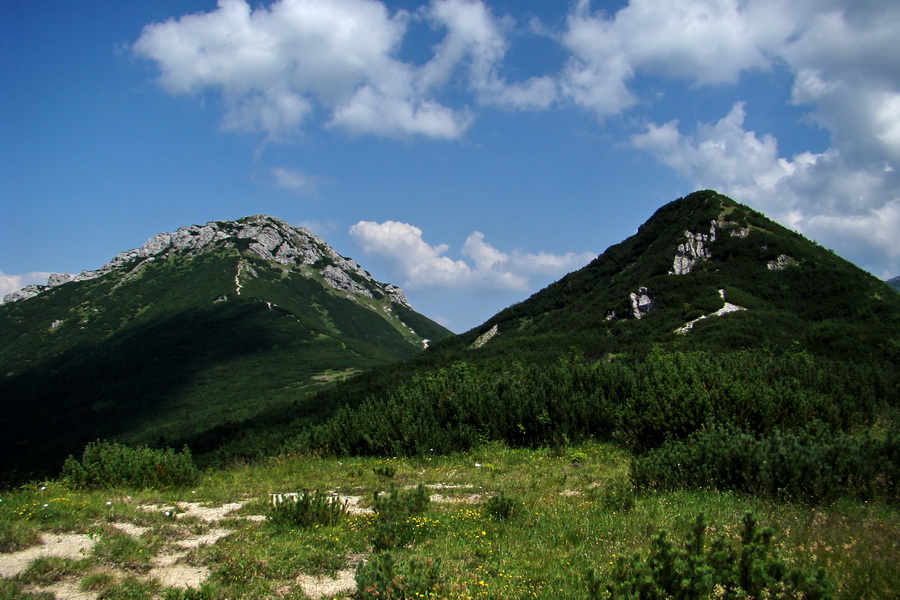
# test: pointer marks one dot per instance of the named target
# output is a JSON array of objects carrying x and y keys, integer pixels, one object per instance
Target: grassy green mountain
[
  {"x": 710, "y": 314},
  {"x": 687, "y": 261},
  {"x": 894, "y": 283},
  {"x": 203, "y": 326}
]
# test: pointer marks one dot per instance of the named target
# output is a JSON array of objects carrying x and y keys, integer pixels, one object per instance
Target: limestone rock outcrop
[
  {"x": 693, "y": 250},
  {"x": 641, "y": 302},
  {"x": 782, "y": 262},
  {"x": 267, "y": 237}
]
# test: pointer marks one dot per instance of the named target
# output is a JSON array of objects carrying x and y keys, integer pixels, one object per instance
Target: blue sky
[{"x": 469, "y": 151}]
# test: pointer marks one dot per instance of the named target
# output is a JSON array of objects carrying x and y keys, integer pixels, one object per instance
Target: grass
[{"x": 572, "y": 511}]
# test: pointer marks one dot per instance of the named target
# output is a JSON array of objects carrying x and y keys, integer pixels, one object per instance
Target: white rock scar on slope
[{"x": 728, "y": 308}]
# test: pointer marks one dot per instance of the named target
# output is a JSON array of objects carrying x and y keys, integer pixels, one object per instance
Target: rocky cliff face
[{"x": 266, "y": 237}]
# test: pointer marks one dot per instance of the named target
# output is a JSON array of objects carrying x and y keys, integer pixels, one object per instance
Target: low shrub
[
  {"x": 748, "y": 569},
  {"x": 16, "y": 535},
  {"x": 47, "y": 570},
  {"x": 385, "y": 578},
  {"x": 807, "y": 465},
  {"x": 616, "y": 495},
  {"x": 11, "y": 590},
  {"x": 501, "y": 508},
  {"x": 394, "y": 509},
  {"x": 395, "y": 504},
  {"x": 110, "y": 464},
  {"x": 203, "y": 593},
  {"x": 309, "y": 509},
  {"x": 385, "y": 471},
  {"x": 130, "y": 588}
]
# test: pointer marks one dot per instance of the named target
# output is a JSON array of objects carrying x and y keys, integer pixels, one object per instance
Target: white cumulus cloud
[
  {"x": 702, "y": 41},
  {"x": 476, "y": 40},
  {"x": 402, "y": 248},
  {"x": 840, "y": 56},
  {"x": 275, "y": 65}
]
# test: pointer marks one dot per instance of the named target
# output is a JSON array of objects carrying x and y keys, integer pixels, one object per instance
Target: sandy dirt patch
[
  {"x": 450, "y": 486},
  {"x": 179, "y": 576},
  {"x": 131, "y": 529},
  {"x": 353, "y": 502},
  {"x": 465, "y": 499},
  {"x": 209, "y": 514},
  {"x": 353, "y": 505},
  {"x": 61, "y": 545},
  {"x": 328, "y": 587},
  {"x": 66, "y": 590}
]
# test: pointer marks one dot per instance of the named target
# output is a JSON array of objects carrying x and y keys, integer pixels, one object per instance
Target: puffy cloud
[
  {"x": 845, "y": 71},
  {"x": 838, "y": 54},
  {"x": 402, "y": 248},
  {"x": 273, "y": 64},
  {"x": 476, "y": 39},
  {"x": 296, "y": 181},
  {"x": 703, "y": 41},
  {"x": 372, "y": 112},
  {"x": 11, "y": 283},
  {"x": 851, "y": 208},
  {"x": 401, "y": 245}
]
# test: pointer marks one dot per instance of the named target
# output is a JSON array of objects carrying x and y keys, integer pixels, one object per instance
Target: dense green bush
[
  {"x": 748, "y": 569},
  {"x": 385, "y": 471},
  {"x": 811, "y": 465},
  {"x": 394, "y": 510},
  {"x": 385, "y": 578},
  {"x": 639, "y": 403},
  {"x": 396, "y": 503},
  {"x": 501, "y": 508},
  {"x": 109, "y": 464},
  {"x": 309, "y": 509}
]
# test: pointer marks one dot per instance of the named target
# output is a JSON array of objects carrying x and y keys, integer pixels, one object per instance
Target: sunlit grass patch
[
  {"x": 573, "y": 511},
  {"x": 49, "y": 569}
]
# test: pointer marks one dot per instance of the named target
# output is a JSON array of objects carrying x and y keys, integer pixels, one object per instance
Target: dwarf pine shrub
[
  {"x": 110, "y": 464},
  {"x": 501, "y": 508},
  {"x": 806, "y": 465},
  {"x": 310, "y": 508},
  {"x": 385, "y": 578},
  {"x": 394, "y": 509},
  {"x": 385, "y": 471},
  {"x": 695, "y": 570},
  {"x": 397, "y": 504}
]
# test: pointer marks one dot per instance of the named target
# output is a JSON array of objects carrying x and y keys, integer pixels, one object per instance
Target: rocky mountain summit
[{"x": 267, "y": 237}]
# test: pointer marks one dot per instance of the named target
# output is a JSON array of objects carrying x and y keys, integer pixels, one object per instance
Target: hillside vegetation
[
  {"x": 164, "y": 346},
  {"x": 813, "y": 344}
]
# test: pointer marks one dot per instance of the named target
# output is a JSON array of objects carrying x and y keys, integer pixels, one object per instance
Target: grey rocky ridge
[{"x": 266, "y": 237}]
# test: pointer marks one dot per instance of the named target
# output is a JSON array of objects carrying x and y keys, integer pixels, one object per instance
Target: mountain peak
[
  {"x": 266, "y": 237},
  {"x": 194, "y": 328},
  {"x": 705, "y": 272}
]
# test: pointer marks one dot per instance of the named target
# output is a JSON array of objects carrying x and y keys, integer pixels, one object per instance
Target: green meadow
[{"x": 495, "y": 523}]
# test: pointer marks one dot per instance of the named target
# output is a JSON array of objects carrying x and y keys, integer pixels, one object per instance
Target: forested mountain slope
[
  {"x": 710, "y": 313},
  {"x": 206, "y": 325}
]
